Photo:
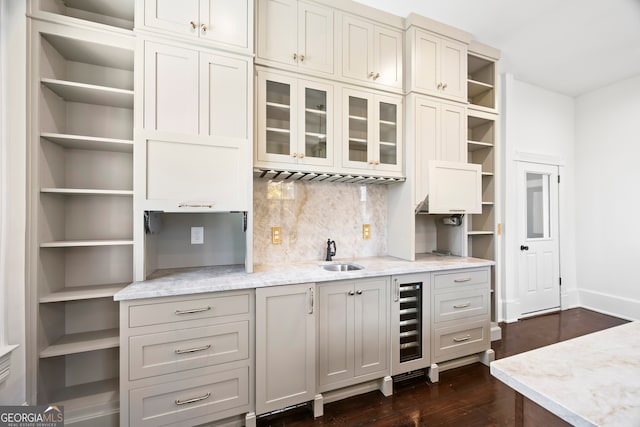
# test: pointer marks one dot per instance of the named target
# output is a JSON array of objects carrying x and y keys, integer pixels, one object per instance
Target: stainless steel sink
[{"x": 342, "y": 266}]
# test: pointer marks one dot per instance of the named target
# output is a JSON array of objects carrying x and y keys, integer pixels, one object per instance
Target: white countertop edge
[
  {"x": 197, "y": 281},
  {"x": 611, "y": 343},
  {"x": 541, "y": 399}
]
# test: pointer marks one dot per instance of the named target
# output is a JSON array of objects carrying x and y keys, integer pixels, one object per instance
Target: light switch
[{"x": 197, "y": 235}]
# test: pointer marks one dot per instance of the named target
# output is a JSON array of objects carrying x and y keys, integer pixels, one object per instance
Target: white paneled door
[{"x": 539, "y": 250}]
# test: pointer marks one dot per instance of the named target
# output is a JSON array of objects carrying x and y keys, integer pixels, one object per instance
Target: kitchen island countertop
[
  {"x": 592, "y": 380},
  {"x": 186, "y": 281}
]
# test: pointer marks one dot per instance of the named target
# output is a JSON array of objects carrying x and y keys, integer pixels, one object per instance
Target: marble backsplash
[{"x": 311, "y": 213}]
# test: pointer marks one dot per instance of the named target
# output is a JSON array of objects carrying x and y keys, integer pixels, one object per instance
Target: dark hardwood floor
[{"x": 466, "y": 396}]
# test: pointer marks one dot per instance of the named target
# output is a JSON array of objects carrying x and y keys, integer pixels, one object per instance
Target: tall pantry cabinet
[{"x": 80, "y": 203}]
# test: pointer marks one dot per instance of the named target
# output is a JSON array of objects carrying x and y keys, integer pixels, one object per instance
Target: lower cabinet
[
  {"x": 353, "y": 338},
  {"x": 187, "y": 360},
  {"x": 460, "y": 317},
  {"x": 285, "y": 346}
]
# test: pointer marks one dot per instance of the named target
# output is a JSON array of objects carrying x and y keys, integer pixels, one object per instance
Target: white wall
[
  {"x": 12, "y": 279},
  {"x": 536, "y": 122},
  {"x": 608, "y": 198}
]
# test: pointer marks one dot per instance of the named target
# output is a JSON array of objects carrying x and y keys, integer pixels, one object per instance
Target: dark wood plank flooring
[{"x": 466, "y": 396}]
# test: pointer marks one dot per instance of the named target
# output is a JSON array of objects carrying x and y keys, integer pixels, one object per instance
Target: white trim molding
[
  {"x": 538, "y": 158},
  {"x": 613, "y": 305}
]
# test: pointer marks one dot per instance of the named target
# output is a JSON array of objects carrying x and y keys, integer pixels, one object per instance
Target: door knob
[{"x": 524, "y": 248}]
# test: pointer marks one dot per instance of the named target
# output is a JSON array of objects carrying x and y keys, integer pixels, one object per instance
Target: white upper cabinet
[
  {"x": 296, "y": 35},
  {"x": 195, "y": 93},
  {"x": 454, "y": 188},
  {"x": 372, "y": 132},
  {"x": 438, "y": 64},
  {"x": 371, "y": 53},
  {"x": 193, "y": 153},
  {"x": 440, "y": 133},
  {"x": 294, "y": 121},
  {"x": 225, "y": 23}
]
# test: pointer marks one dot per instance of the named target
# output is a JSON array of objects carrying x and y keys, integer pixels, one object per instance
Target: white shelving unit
[{"x": 81, "y": 202}]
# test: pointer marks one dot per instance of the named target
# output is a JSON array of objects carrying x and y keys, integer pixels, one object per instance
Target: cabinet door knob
[
  {"x": 376, "y": 76},
  {"x": 193, "y": 25},
  {"x": 301, "y": 155},
  {"x": 359, "y": 292},
  {"x": 444, "y": 86},
  {"x": 351, "y": 293},
  {"x": 371, "y": 74},
  {"x": 524, "y": 248},
  {"x": 301, "y": 58},
  {"x": 295, "y": 56},
  {"x": 203, "y": 27},
  {"x": 294, "y": 155},
  {"x": 439, "y": 85}
]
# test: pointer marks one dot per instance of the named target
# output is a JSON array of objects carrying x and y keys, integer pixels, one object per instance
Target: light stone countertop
[
  {"x": 592, "y": 380},
  {"x": 224, "y": 278}
]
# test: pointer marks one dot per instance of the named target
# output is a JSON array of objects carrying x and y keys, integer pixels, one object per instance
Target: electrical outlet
[
  {"x": 366, "y": 231},
  {"x": 197, "y": 235},
  {"x": 276, "y": 235}
]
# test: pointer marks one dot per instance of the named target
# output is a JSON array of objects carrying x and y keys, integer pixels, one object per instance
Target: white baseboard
[{"x": 625, "y": 308}]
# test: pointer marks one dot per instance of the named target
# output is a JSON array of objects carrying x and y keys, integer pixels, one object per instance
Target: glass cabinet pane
[
  {"x": 278, "y": 118},
  {"x": 315, "y": 126},
  {"x": 358, "y": 129},
  {"x": 538, "y": 206},
  {"x": 388, "y": 133}
]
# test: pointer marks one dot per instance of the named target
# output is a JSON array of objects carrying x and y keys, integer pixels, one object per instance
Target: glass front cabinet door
[
  {"x": 372, "y": 133},
  {"x": 295, "y": 121}
]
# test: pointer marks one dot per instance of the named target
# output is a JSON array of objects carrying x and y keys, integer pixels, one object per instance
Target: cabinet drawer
[
  {"x": 461, "y": 304},
  {"x": 460, "y": 340},
  {"x": 461, "y": 278},
  {"x": 177, "y": 311},
  {"x": 217, "y": 395},
  {"x": 167, "y": 352}
]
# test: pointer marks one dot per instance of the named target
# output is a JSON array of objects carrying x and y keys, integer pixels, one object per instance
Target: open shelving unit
[
  {"x": 481, "y": 77},
  {"x": 81, "y": 204}
]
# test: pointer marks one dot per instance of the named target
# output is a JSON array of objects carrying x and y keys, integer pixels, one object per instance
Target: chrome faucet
[{"x": 330, "y": 252}]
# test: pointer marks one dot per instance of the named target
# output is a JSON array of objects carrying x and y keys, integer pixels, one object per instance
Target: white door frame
[{"x": 510, "y": 297}]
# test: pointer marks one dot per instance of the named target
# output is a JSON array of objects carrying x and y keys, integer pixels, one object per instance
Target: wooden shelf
[
  {"x": 475, "y": 88},
  {"x": 278, "y": 130},
  {"x": 83, "y": 342},
  {"x": 84, "y": 400},
  {"x": 277, "y": 105},
  {"x": 90, "y": 94},
  {"x": 91, "y": 53},
  {"x": 120, "y": 9},
  {"x": 85, "y": 243},
  {"x": 87, "y": 191},
  {"x": 477, "y": 145},
  {"x": 487, "y": 173},
  {"x": 81, "y": 142},
  {"x": 78, "y": 293}
]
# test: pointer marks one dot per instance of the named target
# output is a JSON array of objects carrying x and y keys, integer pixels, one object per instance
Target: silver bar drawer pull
[
  {"x": 194, "y": 400},
  {"x": 462, "y": 339},
  {"x": 466, "y": 279},
  {"x": 465, "y": 305},
  {"x": 193, "y": 350},
  {"x": 193, "y": 310}
]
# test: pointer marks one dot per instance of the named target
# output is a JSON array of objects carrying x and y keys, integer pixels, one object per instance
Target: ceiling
[{"x": 567, "y": 46}]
